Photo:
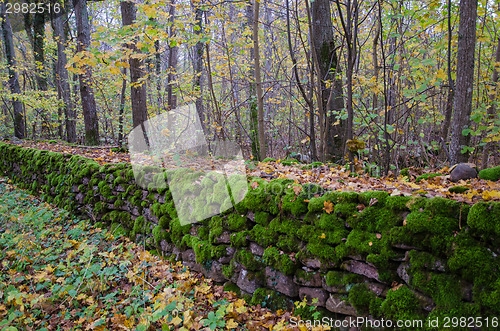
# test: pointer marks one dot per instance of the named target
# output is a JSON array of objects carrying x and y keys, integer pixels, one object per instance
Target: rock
[
  {"x": 462, "y": 171},
  {"x": 361, "y": 268},
  {"x": 332, "y": 289},
  {"x": 256, "y": 249},
  {"x": 311, "y": 263},
  {"x": 336, "y": 305},
  {"x": 79, "y": 197},
  {"x": 224, "y": 238},
  {"x": 248, "y": 281},
  {"x": 403, "y": 272},
  {"x": 313, "y": 279},
  {"x": 377, "y": 288},
  {"x": 166, "y": 247},
  {"x": 311, "y": 293},
  {"x": 194, "y": 266},
  {"x": 215, "y": 272},
  {"x": 279, "y": 282},
  {"x": 188, "y": 256}
]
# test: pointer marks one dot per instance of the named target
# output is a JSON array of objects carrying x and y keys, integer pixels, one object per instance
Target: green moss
[
  {"x": 401, "y": 304},
  {"x": 490, "y": 174},
  {"x": 160, "y": 234},
  {"x": 330, "y": 222},
  {"x": 250, "y": 261},
  {"x": 118, "y": 230},
  {"x": 361, "y": 298},
  {"x": 346, "y": 209},
  {"x": 458, "y": 189},
  {"x": 322, "y": 251},
  {"x": 269, "y": 299},
  {"x": 427, "y": 176},
  {"x": 232, "y": 287},
  {"x": 405, "y": 172},
  {"x": 444, "y": 289},
  {"x": 285, "y": 226},
  {"x": 262, "y": 218},
  {"x": 294, "y": 204},
  {"x": 164, "y": 222},
  {"x": 236, "y": 222},
  {"x": 177, "y": 231},
  {"x": 239, "y": 239},
  {"x": 375, "y": 198},
  {"x": 118, "y": 203},
  {"x": 263, "y": 236},
  {"x": 269, "y": 159},
  {"x": 361, "y": 242},
  {"x": 279, "y": 260},
  {"x": 426, "y": 221},
  {"x": 341, "y": 279},
  {"x": 139, "y": 225},
  {"x": 375, "y": 219},
  {"x": 484, "y": 217},
  {"x": 203, "y": 232},
  {"x": 475, "y": 263},
  {"x": 287, "y": 243},
  {"x": 228, "y": 270}
]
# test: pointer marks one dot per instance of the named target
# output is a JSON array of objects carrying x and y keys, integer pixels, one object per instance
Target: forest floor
[
  {"x": 59, "y": 273},
  {"x": 329, "y": 176}
]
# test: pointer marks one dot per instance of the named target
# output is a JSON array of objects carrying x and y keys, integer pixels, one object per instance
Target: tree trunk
[
  {"x": 38, "y": 51},
  {"x": 198, "y": 64},
  {"x": 462, "y": 104},
  {"x": 258, "y": 82},
  {"x": 62, "y": 78},
  {"x": 19, "y": 131},
  {"x": 137, "y": 89},
  {"x": 491, "y": 108},
  {"x": 254, "y": 137},
  {"x": 86, "y": 93},
  {"x": 172, "y": 61},
  {"x": 327, "y": 68},
  {"x": 449, "y": 100}
]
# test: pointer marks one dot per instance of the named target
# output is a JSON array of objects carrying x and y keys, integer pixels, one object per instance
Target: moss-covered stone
[
  {"x": 401, "y": 304},
  {"x": 484, "y": 217},
  {"x": 269, "y": 299},
  {"x": 458, "y": 189},
  {"x": 250, "y": 261},
  {"x": 427, "y": 176},
  {"x": 236, "y": 222},
  {"x": 490, "y": 174},
  {"x": 279, "y": 260},
  {"x": 361, "y": 298},
  {"x": 239, "y": 239},
  {"x": 262, "y": 218},
  {"x": 263, "y": 236}
]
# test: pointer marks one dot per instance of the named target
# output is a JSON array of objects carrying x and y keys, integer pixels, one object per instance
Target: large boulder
[{"x": 463, "y": 171}]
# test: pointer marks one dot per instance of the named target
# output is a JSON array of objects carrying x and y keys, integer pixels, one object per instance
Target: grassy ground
[{"x": 60, "y": 273}]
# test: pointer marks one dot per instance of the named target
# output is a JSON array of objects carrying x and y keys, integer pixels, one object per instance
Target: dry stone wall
[{"x": 367, "y": 254}]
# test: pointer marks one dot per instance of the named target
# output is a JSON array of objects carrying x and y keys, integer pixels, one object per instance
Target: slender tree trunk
[
  {"x": 19, "y": 128},
  {"x": 86, "y": 93},
  {"x": 449, "y": 100},
  {"x": 491, "y": 111},
  {"x": 254, "y": 136},
  {"x": 462, "y": 104},
  {"x": 138, "y": 94},
  {"x": 198, "y": 64},
  {"x": 62, "y": 78},
  {"x": 122, "y": 108},
  {"x": 38, "y": 50},
  {"x": 258, "y": 82},
  {"x": 172, "y": 61}
]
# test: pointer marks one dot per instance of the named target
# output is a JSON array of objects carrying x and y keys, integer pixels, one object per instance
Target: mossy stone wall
[{"x": 356, "y": 254}]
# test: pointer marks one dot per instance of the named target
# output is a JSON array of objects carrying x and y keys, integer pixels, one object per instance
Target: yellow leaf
[
  {"x": 231, "y": 324},
  {"x": 176, "y": 320},
  {"x": 323, "y": 236},
  {"x": 328, "y": 207}
]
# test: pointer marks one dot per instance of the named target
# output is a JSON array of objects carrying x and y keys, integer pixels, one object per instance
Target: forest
[
  {"x": 249, "y": 165},
  {"x": 383, "y": 84}
]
